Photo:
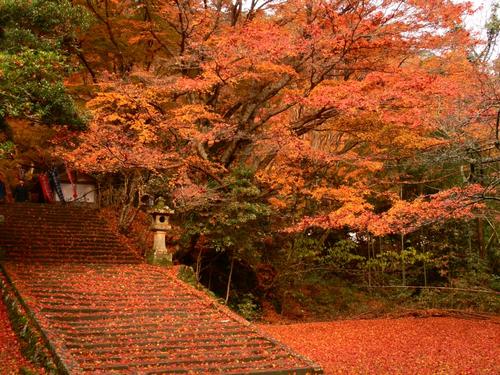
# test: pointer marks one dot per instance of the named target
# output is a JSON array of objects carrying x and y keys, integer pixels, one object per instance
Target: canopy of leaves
[{"x": 332, "y": 104}]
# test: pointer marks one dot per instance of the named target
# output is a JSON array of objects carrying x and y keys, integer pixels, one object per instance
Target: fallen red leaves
[
  {"x": 104, "y": 312},
  {"x": 11, "y": 360},
  {"x": 397, "y": 346},
  {"x": 136, "y": 318}
]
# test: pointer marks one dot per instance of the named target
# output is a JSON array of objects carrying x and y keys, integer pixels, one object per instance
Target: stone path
[{"x": 106, "y": 312}]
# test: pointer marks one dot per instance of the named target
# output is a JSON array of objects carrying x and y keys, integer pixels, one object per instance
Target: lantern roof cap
[{"x": 160, "y": 207}]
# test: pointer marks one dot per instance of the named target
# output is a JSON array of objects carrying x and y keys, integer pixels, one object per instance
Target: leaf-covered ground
[
  {"x": 397, "y": 346},
  {"x": 11, "y": 359}
]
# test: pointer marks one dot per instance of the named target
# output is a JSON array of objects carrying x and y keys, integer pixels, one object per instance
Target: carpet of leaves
[
  {"x": 397, "y": 346},
  {"x": 106, "y": 312},
  {"x": 11, "y": 359},
  {"x": 138, "y": 318}
]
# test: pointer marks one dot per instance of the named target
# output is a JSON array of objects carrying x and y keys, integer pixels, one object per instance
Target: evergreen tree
[{"x": 36, "y": 38}]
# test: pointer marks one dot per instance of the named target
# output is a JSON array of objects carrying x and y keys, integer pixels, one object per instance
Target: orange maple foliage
[{"x": 330, "y": 103}]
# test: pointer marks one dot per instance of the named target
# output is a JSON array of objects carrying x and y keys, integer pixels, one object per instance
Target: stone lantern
[{"x": 160, "y": 214}]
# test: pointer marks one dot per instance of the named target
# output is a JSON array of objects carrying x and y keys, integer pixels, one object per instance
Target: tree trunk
[
  {"x": 403, "y": 266},
  {"x": 228, "y": 289},
  {"x": 210, "y": 278},
  {"x": 480, "y": 237},
  {"x": 425, "y": 274},
  {"x": 198, "y": 266},
  {"x": 369, "y": 262}
]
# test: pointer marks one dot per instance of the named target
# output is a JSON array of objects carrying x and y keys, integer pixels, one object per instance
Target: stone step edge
[
  {"x": 173, "y": 273},
  {"x": 63, "y": 364}
]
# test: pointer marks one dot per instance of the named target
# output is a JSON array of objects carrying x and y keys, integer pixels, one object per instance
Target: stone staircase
[
  {"x": 103, "y": 311},
  {"x": 59, "y": 234}
]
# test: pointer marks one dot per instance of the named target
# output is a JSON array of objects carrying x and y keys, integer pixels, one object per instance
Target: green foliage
[
  {"x": 342, "y": 254},
  {"x": 247, "y": 306},
  {"x": 473, "y": 271},
  {"x": 26, "y": 371},
  {"x": 187, "y": 275},
  {"x": 450, "y": 299},
  {"x": 495, "y": 283},
  {"x": 493, "y": 25},
  {"x": 6, "y": 148},
  {"x": 35, "y": 40},
  {"x": 304, "y": 248},
  {"x": 235, "y": 222},
  {"x": 31, "y": 86},
  {"x": 391, "y": 260},
  {"x": 41, "y": 24},
  {"x": 324, "y": 296}
]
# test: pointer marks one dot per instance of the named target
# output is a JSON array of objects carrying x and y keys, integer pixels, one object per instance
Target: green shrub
[{"x": 247, "y": 307}]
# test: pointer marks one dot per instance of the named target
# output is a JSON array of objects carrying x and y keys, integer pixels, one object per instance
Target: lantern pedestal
[{"x": 160, "y": 214}]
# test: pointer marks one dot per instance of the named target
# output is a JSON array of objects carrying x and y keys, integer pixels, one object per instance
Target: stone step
[
  {"x": 78, "y": 250},
  {"x": 210, "y": 363},
  {"x": 162, "y": 338},
  {"x": 72, "y": 258},
  {"x": 183, "y": 345},
  {"x": 153, "y": 340},
  {"x": 37, "y": 233},
  {"x": 121, "y": 332},
  {"x": 106, "y": 312}
]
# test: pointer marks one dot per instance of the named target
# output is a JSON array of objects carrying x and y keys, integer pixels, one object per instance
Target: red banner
[
  {"x": 72, "y": 182},
  {"x": 46, "y": 189}
]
